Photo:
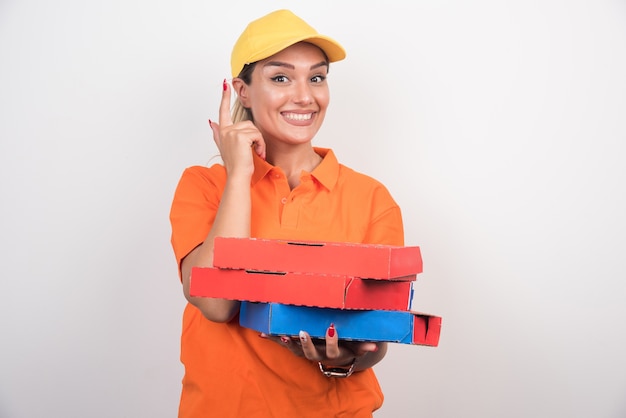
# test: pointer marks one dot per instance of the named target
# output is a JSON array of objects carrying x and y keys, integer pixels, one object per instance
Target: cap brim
[{"x": 333, "y": 50}]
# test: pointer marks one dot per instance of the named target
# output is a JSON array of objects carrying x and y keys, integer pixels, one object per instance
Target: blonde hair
[{"x": 240, "y": 113}]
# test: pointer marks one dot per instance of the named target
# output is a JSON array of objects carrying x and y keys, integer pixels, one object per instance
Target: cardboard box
[
  {"x": 355, "y": 260},
  {"x": 321, "y": 290},
  {"x": 403, "y": 327}
]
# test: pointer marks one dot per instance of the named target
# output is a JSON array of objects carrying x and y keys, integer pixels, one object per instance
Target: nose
[{"x": 302, "y": 94}]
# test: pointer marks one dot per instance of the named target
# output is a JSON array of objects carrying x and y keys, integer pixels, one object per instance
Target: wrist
[
  {"x": 236, "y": 178},
  {"x": 338, "y": 371}
]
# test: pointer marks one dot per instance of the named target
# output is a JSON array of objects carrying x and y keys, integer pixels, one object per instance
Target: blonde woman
[{"x": 273, "y": 183}]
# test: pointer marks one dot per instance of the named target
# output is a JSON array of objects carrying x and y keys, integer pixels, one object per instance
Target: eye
[
  {"x": 280, "y": 78},
  {"x": 318, "y": 79}
]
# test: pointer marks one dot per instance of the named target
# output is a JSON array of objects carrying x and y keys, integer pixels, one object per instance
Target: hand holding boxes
[{"x": 364, "y": 289}]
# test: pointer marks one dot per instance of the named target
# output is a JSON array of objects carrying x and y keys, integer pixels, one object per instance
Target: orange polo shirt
[{"x": 229, "y": 370}]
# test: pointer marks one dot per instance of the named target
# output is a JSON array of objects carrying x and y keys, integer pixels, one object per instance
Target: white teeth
[{"x": 298, "y": 116}]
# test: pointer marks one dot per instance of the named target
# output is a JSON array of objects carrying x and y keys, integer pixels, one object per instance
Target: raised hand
[{"x": 235, "y": 140}]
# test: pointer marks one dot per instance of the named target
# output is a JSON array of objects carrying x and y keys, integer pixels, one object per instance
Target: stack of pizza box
[{"x": 365, "y": 290}]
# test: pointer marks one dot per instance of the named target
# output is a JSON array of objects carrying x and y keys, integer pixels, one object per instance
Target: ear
[{"x": 241, "y": 88}]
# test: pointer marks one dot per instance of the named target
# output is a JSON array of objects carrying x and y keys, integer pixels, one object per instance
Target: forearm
[{"x": 232, "y": 220}]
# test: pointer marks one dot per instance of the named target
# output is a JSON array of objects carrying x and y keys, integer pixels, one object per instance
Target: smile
[{"x": 298, "y": 116}]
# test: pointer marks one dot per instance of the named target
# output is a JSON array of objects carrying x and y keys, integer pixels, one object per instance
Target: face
[{"x": 288, "y": 94}]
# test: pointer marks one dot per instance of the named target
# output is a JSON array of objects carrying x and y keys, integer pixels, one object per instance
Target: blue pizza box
[{"x": 404, "y": 327}]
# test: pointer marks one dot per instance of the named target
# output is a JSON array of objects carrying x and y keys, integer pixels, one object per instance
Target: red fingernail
[
  {"x": 285, "y": 340},
  {"x": 210, "y": 123},
  {"x": 375, "y": 348},
  {"x": 331, "y": 330},
  {"x": 225, "y": 85}
]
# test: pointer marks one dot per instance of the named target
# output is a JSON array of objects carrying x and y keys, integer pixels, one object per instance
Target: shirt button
[
  {"x": 276, "y": 175},
  {"x": 283, "y": 200}
]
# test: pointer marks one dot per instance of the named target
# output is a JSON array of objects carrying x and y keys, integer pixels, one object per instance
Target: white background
[{"x": 499, "y": 127}]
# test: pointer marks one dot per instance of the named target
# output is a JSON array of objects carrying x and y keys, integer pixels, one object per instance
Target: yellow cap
[{"x": 274, "y": 32}]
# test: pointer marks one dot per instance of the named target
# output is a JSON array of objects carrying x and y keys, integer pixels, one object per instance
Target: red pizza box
[
  {"x": 404, "y": 327},
  {"x": 332, "y": 258},
  {"x": 329, "y": 291}
]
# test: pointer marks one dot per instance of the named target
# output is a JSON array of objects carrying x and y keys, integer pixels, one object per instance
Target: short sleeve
[
  {"x": 385, "y": 226},
  {"x": 194, "y": 207}
]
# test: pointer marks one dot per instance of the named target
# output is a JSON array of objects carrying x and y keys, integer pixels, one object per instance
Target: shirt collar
[
  {"x": 261, "y": 168},
  {"x": 326, "y": 172}
]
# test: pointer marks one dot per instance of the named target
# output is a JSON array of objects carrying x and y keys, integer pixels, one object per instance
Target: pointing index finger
[{"x": 224, "y": 113}]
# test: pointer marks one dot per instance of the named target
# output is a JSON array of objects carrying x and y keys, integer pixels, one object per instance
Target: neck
[{"x": 292, "y": 160}]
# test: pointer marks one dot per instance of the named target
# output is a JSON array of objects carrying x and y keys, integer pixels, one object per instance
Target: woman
[{"x": 274, "y": 184}]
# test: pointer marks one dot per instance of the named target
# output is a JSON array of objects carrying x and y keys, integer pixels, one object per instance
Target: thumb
[{"x": 215, "y": 128}]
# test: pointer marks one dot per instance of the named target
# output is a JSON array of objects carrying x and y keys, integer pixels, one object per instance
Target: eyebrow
[{"x": 292, "y": 67}]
